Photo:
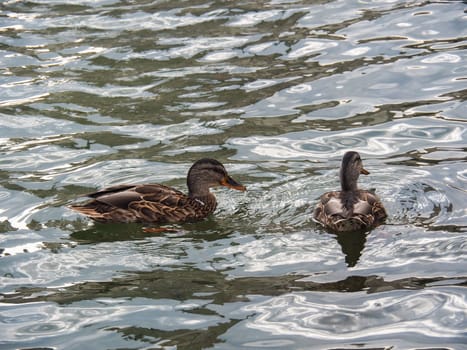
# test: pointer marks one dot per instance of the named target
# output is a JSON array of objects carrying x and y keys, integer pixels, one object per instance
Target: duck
[
  {"x": 350, "y": 209},
  {"x": 159, "y": 204}
]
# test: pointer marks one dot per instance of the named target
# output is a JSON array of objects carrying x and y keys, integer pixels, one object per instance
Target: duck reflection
[
  {"x": 109, "y": 233},
  {"x": 208, "y": 230},
  {"x": 352, "y": 246}
]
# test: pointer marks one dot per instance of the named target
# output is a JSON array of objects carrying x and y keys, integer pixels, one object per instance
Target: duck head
[
  {"x": 206, "y": 173},
  {"x": 351, "y": 168}
]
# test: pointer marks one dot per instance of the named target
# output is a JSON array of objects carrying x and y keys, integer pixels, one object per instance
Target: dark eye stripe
[
  {"x": 220, "y": 171},
  {"x": 216, "y": 169}
]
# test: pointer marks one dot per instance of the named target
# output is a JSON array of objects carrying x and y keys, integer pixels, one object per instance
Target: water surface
[{"x": 107, "y": 92}]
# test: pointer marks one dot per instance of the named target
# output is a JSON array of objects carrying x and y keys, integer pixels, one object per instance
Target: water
[{"x": 107, "y": 92}]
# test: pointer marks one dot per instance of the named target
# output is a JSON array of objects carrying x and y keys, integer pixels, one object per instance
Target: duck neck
[
  {"x": 197, "y": 189},
  {"x": 208, "y": 201},
  {"x": 200, "y": 191},
  {"x": 348, "y": 181},
  {"x": 199, "y": 182}
]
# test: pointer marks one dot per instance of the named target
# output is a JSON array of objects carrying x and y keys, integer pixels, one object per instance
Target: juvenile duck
[
  {"x": 350, "y": 209},
  {"x": 154, "y": 203}
]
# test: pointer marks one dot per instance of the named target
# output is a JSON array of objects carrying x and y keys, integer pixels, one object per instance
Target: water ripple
[
  {"x": 435, "y": 315},
  {"x": 385, "y": 140}
]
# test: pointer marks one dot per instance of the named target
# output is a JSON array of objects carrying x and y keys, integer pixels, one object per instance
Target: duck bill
[
  {"x": 364, "y": 171},
  {"x": 231, "y": 183}
]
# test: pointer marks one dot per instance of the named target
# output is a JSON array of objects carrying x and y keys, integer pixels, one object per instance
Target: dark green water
[{"x": 107, "y": 92}]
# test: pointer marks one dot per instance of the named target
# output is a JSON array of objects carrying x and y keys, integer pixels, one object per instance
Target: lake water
[{"x": 102, "y": 92}]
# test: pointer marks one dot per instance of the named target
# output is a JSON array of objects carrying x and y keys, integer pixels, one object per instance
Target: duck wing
[
  {"x": 160, "y": 203},
  {"x": 328, "y": 205},
  {"x": 152, "y": 203},
  {"x": 374, "y": 207},
  {"x": 121, "y": 196}
]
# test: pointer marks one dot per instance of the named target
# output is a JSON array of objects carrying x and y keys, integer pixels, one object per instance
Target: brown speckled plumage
[
  {"x": 350, "y": 209},
  {"x": 154, "y": 203}
]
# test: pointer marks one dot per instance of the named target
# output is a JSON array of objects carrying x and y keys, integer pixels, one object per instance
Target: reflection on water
[
  {"x": 177, "y": 305},
  {"x": 352, "y": 246},
  {"x": 329, "y": 320},
  {"x": 107, "y": 92}
]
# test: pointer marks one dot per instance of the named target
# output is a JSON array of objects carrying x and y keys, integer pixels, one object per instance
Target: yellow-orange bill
[{"x": 231, "y": 183}]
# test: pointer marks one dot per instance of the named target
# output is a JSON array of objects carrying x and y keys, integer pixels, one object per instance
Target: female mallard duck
[
  {"x": 350, "y": 209},
  {"x": 154, "y": 203}
]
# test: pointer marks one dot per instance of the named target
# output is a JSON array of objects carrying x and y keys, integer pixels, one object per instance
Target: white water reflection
[
  {"x": 309, "y": 47},
  {"x": 45, "y": 321},
  {"x": 329, "y": 319},
  {"x": 384, "y": 140}
]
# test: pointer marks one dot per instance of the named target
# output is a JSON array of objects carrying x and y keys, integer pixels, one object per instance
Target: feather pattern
[
  {"x": 155, "y": 203},
  {"x": 350, "y": 209}
]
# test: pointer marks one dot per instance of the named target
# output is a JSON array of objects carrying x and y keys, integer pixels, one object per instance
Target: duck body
[
  {"x": 155, "y": 203},
  {"x": 366, "y": 212},
  {"x": 350, "y": 209},
  {"x": 149, "y": 203}
]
